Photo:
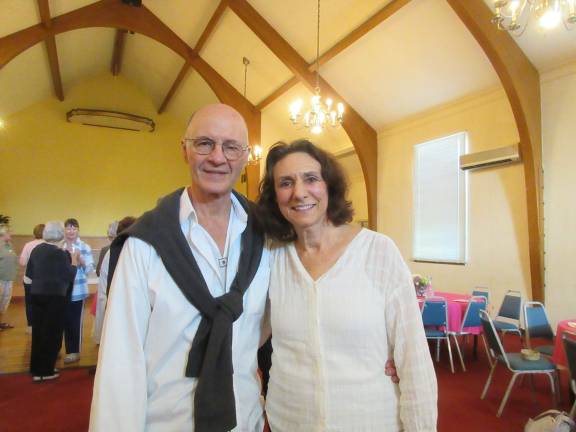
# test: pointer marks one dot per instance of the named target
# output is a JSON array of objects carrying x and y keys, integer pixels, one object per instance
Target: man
[
  {"x": 75, "y": 307},
  {"x": 163, "y": 364},
  {"x": 150, "y": 324}
]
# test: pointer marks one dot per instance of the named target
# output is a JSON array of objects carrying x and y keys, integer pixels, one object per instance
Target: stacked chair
[
  {"x": 480, "y": 291},
  {"x": 513, "y": 361}
]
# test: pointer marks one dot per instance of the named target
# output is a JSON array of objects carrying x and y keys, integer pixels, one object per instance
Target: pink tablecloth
[
  {"x": 559, "y": 355},
  {"x": 457, "y": 305}
]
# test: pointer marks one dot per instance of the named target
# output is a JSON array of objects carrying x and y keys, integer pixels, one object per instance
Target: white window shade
[{"x": 440, "y": 203}]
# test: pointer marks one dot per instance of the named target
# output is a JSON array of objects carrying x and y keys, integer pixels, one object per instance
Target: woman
[
  {"x": 342, "y": 302},
  {"x": 8, "y": 267},
  {"x": 24, "y": 257},
  {"x": 52, "y": 271}
]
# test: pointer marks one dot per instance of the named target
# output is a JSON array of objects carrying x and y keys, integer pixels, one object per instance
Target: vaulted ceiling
[{"x": 398, "y": 58}]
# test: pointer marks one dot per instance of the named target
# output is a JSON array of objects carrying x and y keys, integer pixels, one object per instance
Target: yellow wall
[
  {"x": 559, "y": 160},
  {"x": 498, "y": 241},
  {"x": 53, "y": 170}
]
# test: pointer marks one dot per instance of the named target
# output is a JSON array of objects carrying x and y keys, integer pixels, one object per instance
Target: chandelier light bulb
[{"x": 513, "y": 15}]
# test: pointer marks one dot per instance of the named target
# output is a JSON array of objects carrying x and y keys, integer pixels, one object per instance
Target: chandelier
[
  {"x": 513, "y": 15},
  {"x": 255, "y": 153},
  {"x": 319, "y": 114}
]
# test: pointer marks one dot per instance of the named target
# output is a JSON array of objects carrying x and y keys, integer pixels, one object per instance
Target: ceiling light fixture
[
  {"x": 255, "y": 151},
  {"x": 513, "y": 15},
  {"x": 320, "y": 114}
]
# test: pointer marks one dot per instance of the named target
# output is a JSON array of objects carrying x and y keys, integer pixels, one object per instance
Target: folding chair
[
  {"x": 480, "y": 291},
  {"x": 471, "y": 319},
  {"x": 569, "y": 340},
  {"x": 510, "y": 311},
  {"x": 513, "y": 361},
  {"x": 538, "y": 326},
  {"x": 435, "y": 320}
]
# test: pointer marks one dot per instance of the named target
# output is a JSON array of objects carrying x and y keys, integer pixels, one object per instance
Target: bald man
[{"x": 182, "y": 328}]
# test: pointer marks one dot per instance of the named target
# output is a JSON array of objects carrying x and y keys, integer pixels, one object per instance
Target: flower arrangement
[{"x": 422, "y": 284}]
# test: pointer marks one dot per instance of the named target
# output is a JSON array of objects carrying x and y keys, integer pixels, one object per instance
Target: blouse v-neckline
[{"x": 294, "y": 253}]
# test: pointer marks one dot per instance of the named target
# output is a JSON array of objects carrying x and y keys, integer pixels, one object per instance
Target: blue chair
[
  {"x": 510, "y": 311},
  {"x": 435, "y": 320},
  {"x": 471, "y": 319},
  {"x": 480, "y": 291},
  {"x": 513, "y": 361},
  {"x": 538, "y": 326},
  {"x": 569, "y": 340}
]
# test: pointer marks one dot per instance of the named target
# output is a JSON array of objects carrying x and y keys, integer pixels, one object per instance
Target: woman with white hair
[{"x": 52, "y": 271}]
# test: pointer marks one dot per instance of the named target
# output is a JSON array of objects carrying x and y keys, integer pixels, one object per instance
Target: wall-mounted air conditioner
[{"x": 490, "y": 158}]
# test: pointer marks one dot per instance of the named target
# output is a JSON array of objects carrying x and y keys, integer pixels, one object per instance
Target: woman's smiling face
[{"x": 301, "y": 192}]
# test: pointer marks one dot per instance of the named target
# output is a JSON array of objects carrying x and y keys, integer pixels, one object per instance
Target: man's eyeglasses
[{"x": 204, "y": 146}]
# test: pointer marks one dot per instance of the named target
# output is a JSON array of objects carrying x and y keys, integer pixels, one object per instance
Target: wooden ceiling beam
[
  {"x": 119, "y": 42},
  {"x": 376, "y": 19},
  {"x": 362, "y": 135},
  {"x": 521, "y": 81},
  {"x": 199, "y": 45},
  {"x": 51, "y": 50}
]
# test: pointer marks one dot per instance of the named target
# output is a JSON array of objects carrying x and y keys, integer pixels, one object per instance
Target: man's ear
[{"x": 184, "y": 152}]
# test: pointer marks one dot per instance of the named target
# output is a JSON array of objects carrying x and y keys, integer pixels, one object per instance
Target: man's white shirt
[{"x": 149, "y": 329}]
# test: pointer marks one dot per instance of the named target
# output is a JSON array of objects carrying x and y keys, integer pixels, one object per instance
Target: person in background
[
  {"x": 51, "y": 271},
  {"x": 102, "y": 294},
  {"x": 342, "y": 302},
  {"x": 8, "y": 268},
  {"x": 75, "y": 307},
  {"x": 112, "y": 230},
  {"x": 23, "y": 260}
]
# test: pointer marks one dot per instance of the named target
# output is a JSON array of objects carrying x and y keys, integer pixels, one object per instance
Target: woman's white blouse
[{"x": 332, "y": 337}]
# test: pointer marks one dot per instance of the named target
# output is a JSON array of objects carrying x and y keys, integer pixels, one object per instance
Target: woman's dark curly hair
[{"x": 339, "y": 210}]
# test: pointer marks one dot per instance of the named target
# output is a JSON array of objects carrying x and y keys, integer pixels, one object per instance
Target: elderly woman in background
[
  {"x": 24, "y": 257},
  {"x": 342, "y": 302},
  {"x": 102, "y": 294},
  {"x": 8, "y": 267},
  {"x": 52, "y": 271}
]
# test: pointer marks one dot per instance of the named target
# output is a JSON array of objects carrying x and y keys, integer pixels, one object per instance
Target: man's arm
[{"x": 119, "y": 400}]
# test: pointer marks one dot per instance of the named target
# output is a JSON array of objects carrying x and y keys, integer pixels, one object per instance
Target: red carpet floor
[{"x": 63, "y": 405}]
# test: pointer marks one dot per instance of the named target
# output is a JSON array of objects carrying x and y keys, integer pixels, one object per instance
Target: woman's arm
[{"x": 418, "y": 386}]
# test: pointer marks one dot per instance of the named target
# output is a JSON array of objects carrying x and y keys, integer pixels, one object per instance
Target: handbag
[{"x": 551, "y": 421}]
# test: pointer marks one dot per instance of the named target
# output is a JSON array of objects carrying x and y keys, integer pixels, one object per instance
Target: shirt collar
[{"x": 187, "y": 211}]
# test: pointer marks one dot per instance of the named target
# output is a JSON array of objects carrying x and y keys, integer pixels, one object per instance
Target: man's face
[
  {"x": 213, "y": 175},
  {"x": 71, "y": 232}
]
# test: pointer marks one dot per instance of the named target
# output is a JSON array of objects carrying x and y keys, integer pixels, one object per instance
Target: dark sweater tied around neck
[{"x": 210, "y": 357}]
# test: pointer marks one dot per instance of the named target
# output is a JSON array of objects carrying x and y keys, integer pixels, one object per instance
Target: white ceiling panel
[
  {"x": 25, "y": 80},
  {"x": 233, "y": 40},
  {"x": 84, "y": 53},
  {"x": 151, "y": 65},
  {"x": 186, "y": 18},
  {"x": 296, "y": 20},
  {"x": 17, "y": 15},
  {"x": 60, "y": 7},
  {"x": 421, "y": 57},
  {"x": 192, "y": 95}
]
